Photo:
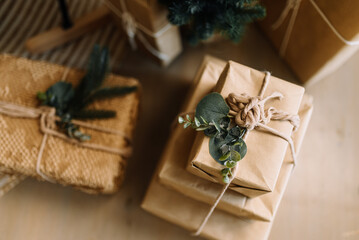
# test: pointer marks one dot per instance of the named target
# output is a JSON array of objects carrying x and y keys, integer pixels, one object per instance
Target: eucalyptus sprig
[
  {"x": 71, "y": 103},
  {"x": 226, "y": 145},
  {"x": 195, "y": 124}
]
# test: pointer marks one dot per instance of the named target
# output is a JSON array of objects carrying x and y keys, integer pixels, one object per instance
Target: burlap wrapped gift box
[
  {"x": 188, "y": 212},
  {"x": 258, "y": 171},
  {"x": 91, "y": 170},
  {"x": 151, "y": 18},
  {"x": 313, "y": 50},
  {"x": 173, "y": 172}
]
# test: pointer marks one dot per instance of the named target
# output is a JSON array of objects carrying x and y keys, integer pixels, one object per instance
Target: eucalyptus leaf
[
  {"x": 204, "y": 120},
  {"x": 225, "y": 171},
  {"x": 186, "y": 125},
  {"x": 212, "y": 108},
  {"x": 225, "y": 156},
  {"x": 241, "y": 147},
  {"x": 180, "y": 119},
  {"x": 211, "y": 131},
  {"x": 215, "y": 151},
  {"x": 237, "y": 131},
  {"x": 202, "y": 128},
  {"x": 224, "y": 122},
  {"x": 230, "y": 163},
  {"x": 235, "y": 156},
  {"x": 225, "y": 179},
  {"x": 197, "y": 122}
]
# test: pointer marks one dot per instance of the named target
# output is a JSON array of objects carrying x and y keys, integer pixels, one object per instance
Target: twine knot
[
  {"x": 48, "y": 118},
  {"x": 249, "y": 112}
]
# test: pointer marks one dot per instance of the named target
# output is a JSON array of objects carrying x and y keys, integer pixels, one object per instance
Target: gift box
[
  {"x": 173, "y": 172},
  {"x": 184, "y": 207},
  {"x": 258, "y": 171},
  {"x": 308, "y": 34},
  {"x": 65, "y": 162},
  {"x": 147, "y": 22}
]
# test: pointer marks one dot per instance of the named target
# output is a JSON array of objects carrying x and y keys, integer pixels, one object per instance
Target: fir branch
[
  {"x": 94, "y": 114},
  {"x": 96, "y": 73},
  {"x": 108, "y": 92},
  {"x": 70, "y": 102},
  {"x": 204, "y": 17}
]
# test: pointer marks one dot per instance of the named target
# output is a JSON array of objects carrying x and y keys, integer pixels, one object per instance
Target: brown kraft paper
[
  {"x": 258, "y": 171},
  {"x": 174, "y": 175},
  {"x": 187, "y": 212},
  {"x": 153, "y": 16},
  {"x": 93, "y": 171},
  {"x": 313, "y": 50}
]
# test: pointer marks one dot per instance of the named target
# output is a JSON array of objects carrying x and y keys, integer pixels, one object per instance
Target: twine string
[
  {"x": 131, "y": 28},
  {"x": 249, "y": 112},
  {"x": 48, "y": 118},
  {"x": 294, "y": 6}
]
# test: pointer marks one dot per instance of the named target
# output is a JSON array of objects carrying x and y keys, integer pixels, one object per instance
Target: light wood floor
[{"x": 322, "y": 199}]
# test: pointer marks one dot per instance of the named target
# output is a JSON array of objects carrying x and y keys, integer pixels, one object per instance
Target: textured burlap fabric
[
  {"x": 9, "y": 181},
  {"x": 90, "y": 170}
]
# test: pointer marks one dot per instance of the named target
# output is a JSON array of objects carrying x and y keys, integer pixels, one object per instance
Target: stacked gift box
[{"x": 186, "y": 182}]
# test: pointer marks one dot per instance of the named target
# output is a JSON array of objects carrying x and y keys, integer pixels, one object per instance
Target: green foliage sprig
[
  {"x": 71, "y": 103},
  {"x": 226, "y": 145},
  {"x": 204, "y": 17}
]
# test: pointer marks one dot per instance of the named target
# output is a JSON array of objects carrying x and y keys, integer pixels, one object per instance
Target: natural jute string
[
  {"x": 48, "y": 128},
  {"x": 249, "y": 112},
  {"x": 294, "y": 5},
  {"x": 131, "y": 28}
]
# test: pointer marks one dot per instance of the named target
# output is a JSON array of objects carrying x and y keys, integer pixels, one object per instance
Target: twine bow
[
  {"x": 294, "y": 5},
  {"x": 132, "y": 28},
  {"x": 48, "y": 118},
  {"x": 249, "y": 112}
]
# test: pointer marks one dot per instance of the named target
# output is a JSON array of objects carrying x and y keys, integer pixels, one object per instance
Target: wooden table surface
[{"x": 322, "y": 198}]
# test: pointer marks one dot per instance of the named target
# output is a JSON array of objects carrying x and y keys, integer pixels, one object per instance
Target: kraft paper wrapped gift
[
  {"x": 174, "y": 175},
  {"x": 258, "y": 171},
  {"x": 170, "y": 204},
  {"x": 90, "y": 170},
  {"x": 152, "y": 25},
  {"x": 313, "y": 50}
]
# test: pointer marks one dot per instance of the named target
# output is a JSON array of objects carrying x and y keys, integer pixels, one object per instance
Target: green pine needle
[
  {"x": 94, "y": 114},
  {"x": 204, "y": 17},
  {"x": 109, "y": 92}
]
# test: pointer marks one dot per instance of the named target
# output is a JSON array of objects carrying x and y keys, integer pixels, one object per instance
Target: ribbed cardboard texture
[
  {"x": 153, "y": 16},
  {"x": 172, "y": 204},
  {"x": 314, "y": 51},
  {"x": 93, "y": 171},
  {"x": 258, "y": 171}
]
